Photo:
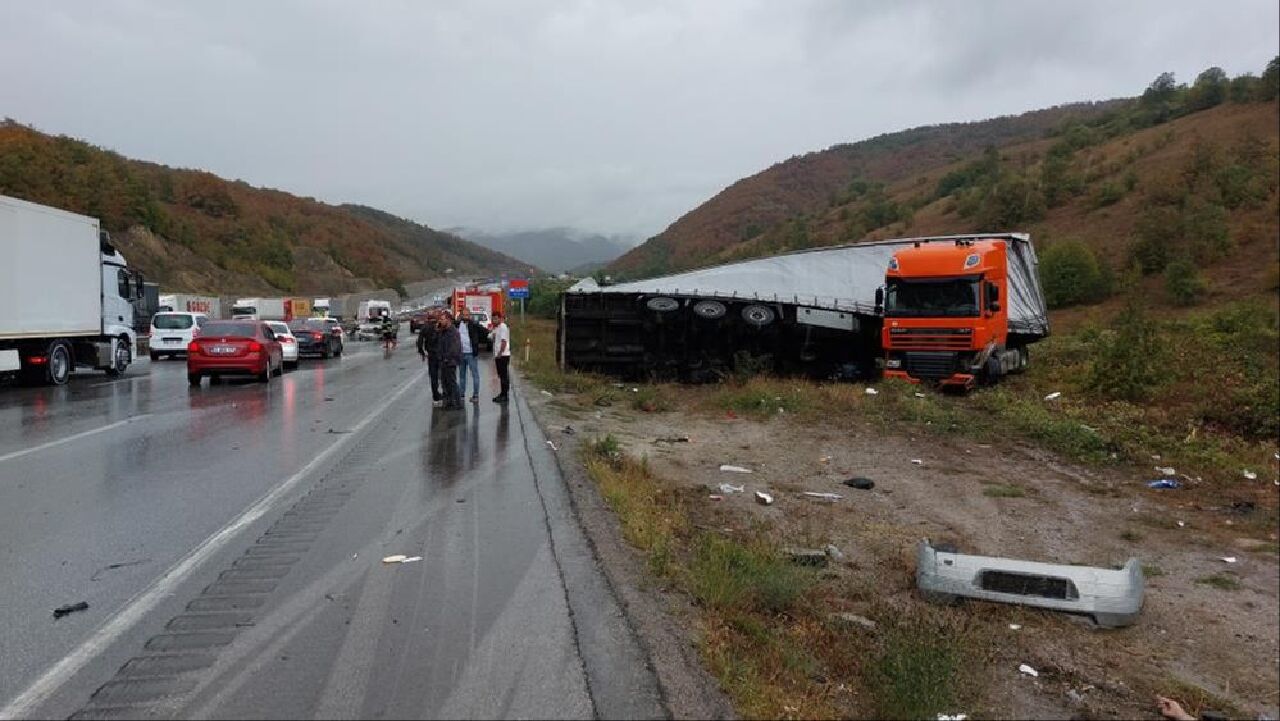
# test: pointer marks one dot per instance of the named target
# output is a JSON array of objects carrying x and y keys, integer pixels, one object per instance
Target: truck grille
[
  {"x": 929, "y": 338},
  {"x": 932, "y": 366}
]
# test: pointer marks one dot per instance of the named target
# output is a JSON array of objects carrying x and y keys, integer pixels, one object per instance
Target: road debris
[
  {"x": 734, "y": 469},
  {"x": 917, "y": 462},
  {"x": 1024, "y": 668},
  {"x": 1250, "y": 475},
  {"x": 833, "y": 553},
  {"x": 70, "y": 608},
  {"x": 953, "y": 717},
  {"x": 826, "y": 497},
  {"x": 860, "y": 483},
  {"x": 728, "y": 488},
  {"x": 672, "y": 439},
  {"x": 1053, "y": 396},
  {"x": 553, "y": 446},
  {"x": 115, "y": 566},
  {"x": 1166, "y": 471},
  {"x": 568, "y": 430},
  {"x": 1015, "y": 627},
  {"x": 763, "y": 498},
  {"x": 824, "y": 459},
  {"x": 401, "y": 558},
  {"x": 807, "y": 556},
  {"x": 919, "y": 395},
  {"x": 1228, "y": 559},
  {"x": 1164, "y": 483},
  {"x": 716, "y": 497},
  {"x": 871, "y": 391},
  {"x": 852, "y": 619},
  {"x": 546, "y": 393}
]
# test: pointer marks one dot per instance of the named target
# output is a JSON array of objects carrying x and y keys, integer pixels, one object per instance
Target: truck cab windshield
[{"x": 925, "y": 298}]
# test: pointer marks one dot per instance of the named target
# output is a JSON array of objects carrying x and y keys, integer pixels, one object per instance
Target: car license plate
[
  {"x": 172, "y": 340},
  {"x": 224, "y": 349}
]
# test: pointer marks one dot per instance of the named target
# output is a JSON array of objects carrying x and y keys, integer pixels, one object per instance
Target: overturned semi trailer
[{"x": 815, "y": 312}]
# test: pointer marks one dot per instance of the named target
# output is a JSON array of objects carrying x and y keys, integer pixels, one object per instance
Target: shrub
[
  {"x": 1183, "y": 282},
  {"x": 1128, "y": 358},
  {"x": 1071, "y": 274}
]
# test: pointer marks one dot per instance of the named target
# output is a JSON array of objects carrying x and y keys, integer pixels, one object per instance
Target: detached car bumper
[{"x": 1113, "y": 598}]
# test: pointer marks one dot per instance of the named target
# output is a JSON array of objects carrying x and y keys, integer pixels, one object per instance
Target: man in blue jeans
[{"x": 470, "y": 334}]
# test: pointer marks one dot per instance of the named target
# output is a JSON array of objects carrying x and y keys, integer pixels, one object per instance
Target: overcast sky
[{"x": 615, "y": 117}]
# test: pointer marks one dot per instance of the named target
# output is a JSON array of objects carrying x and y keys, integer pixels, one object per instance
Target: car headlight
[{"x": 893, "y": 363}]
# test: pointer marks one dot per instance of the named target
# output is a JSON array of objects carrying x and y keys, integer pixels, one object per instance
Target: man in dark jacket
[
  {"x": 450, "y": 359},
  {"x": 429, "y": 349}
]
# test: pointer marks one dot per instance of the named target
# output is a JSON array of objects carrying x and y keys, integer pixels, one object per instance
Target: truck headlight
[{"x": 893, "y": 363}]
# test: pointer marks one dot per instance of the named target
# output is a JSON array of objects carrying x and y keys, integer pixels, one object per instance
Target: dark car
[
  {"x": 317, "y": 336},
  {"x": 227, "y": 347},
  {"x": 417, "y": 320}
]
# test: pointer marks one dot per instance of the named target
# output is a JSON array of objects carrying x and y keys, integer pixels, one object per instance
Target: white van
[{"x": 171, "y": 332}]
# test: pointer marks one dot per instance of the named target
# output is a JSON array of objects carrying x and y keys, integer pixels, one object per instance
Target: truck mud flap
[{"x": 1112, "y": 598}]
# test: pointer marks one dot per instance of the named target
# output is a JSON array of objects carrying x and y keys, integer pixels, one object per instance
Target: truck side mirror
[
  {"x": 993, "y": 297},
  {"x": 879, "y": 300}
]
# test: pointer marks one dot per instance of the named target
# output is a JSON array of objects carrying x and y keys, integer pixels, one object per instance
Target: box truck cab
[
  {"x": 946, "y": 317},
  {"x": 67, "y": 296},
  {"x": 369, "y": 318}
]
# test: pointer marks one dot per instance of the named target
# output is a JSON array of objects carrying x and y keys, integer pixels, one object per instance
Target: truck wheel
[
  {"x": 57, "y": 369},
  {"x": 709, "y": 309},
  {"x": 121, "y": 357},
  {"x": 662, "y": 304},
  {"x": 758, "y": 315}
]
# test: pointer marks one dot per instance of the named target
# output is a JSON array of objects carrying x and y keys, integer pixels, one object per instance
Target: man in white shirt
[{"x": 502, "y": 355}]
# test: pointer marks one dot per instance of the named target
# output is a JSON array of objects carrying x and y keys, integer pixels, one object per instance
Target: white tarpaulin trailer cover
[{"x": 842, "y": 277}]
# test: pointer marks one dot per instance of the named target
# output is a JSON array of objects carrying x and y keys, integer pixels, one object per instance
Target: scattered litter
[
  {"x": 1250, "y": 475},
  {"x": 568, "y": 430},
  {"x": 715, "y": 497},
  {"x": 728, "y": 488},
  {"x": 328, "y": 399},
  {"x": 833, "y": 553},
  {"x": 1053, "y": 396},
  {"x": 862, "y": 484},
  {"x": 921, "y": 395},
  {"x": 1155, "y": 456},
  {"x": 872, "y": 392},
  {"x": 763, "y": 498},
  {"x": 1074, "y": 696},
  {"x": 460, "y": 500},
  {"x": 824, "y": 459},
  {"x": 61, "y": 611},
  {"x": 953, "y": 717},
  {"x": 1166, "y": 471},
  {"x": 672, "y": 439},
  {"x": 730, "y": 415},
  {"x": 1228, "y": 559},
  {"x": 553, "y": 446},
  {"x": 734, "y": 469},
  {"x": 1164, "y": 483},
  {"x": 853, "y": 619},
  {"x": 546, "y": 393},
  {"x": 635, "y": 390},
  {"x": 1182, "y": 524},
  {"x": 337, "y": 432},
  {"x": 398, "y": 558},
  {"x": 114, "y": 566},
  {"x": 1024, "y": 668},
  {"x": 412, "y": 559},
  {"x": 828, "y": 497},
  {"x": 917, "y": 462},
  {"x": 807, "y": 556},
  {"x": 1015, "y": 627}
]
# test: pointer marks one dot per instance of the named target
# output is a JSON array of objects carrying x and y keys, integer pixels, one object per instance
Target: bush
[
  {"x": 1158, "y": 230},
  {"x": 1127, "y": 363},
  {"x": 1204, "y": 226},
  {"x": 1071, "y": 274},
  {"x": 1183, "y": 282}
]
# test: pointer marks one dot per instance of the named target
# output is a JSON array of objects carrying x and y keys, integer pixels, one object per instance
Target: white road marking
[
  {"x": 25, "y": 704},
  {"x": 68, "y": 439}
]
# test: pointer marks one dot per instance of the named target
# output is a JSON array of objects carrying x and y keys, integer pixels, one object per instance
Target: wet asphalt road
[{"x": 228, "y": 541}]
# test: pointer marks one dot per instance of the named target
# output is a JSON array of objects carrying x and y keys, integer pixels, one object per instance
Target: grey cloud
[{"x": 609, "y": 116}]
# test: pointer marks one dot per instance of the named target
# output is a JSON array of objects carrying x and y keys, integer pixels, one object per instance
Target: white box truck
[
  {"x": 67, "y": 296},
  {"x": 180, "y": 303},
  {"x": 369, "y": 319},
  {"x": 259, "y": 309}
]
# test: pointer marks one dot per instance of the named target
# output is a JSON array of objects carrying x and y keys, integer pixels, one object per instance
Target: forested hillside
[
  {"x": 193, "y": 231},
  {"x": 1126, "y": 176}
]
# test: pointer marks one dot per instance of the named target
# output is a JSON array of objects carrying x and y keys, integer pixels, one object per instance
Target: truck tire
[
  {"x": 57, "y": 367},
  {"x": 758, "y": 315},
  {"x": 662, "y": 304},
  {"x": 709, "y": 309},
  {"x": 121, "y": 357}
]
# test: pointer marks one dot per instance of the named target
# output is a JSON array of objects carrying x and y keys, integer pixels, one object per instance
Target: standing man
[
  {"x": 429, "y": 349},
  {"x": 469, "y": 334},
  {"x": 450, "y": 359},
  {"x": 502, "y": 355}
]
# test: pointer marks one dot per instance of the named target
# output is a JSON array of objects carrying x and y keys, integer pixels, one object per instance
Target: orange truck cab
[{"x": 946, "y": 317}]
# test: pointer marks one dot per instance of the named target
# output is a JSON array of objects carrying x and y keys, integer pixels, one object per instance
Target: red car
[{"x": 234, "y": 347}]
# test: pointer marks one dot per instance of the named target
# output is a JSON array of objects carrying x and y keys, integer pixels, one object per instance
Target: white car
[
  {"x": 171, "y": 332},
  {"x": 288, "y": 343}
]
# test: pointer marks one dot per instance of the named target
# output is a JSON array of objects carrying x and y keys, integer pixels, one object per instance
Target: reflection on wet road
[{"x": 228, "y": 541}]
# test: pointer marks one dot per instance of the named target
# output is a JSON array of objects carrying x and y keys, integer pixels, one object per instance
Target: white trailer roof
[{"x": 843, "y": 277}]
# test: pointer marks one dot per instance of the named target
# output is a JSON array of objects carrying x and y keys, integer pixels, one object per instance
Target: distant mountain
[
  {"x": 556, "y": 250},
  {"x": 195, "y": 232}
]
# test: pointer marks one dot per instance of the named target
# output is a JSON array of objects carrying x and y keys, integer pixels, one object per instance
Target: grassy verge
[{"x": 766, "y": 629}]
